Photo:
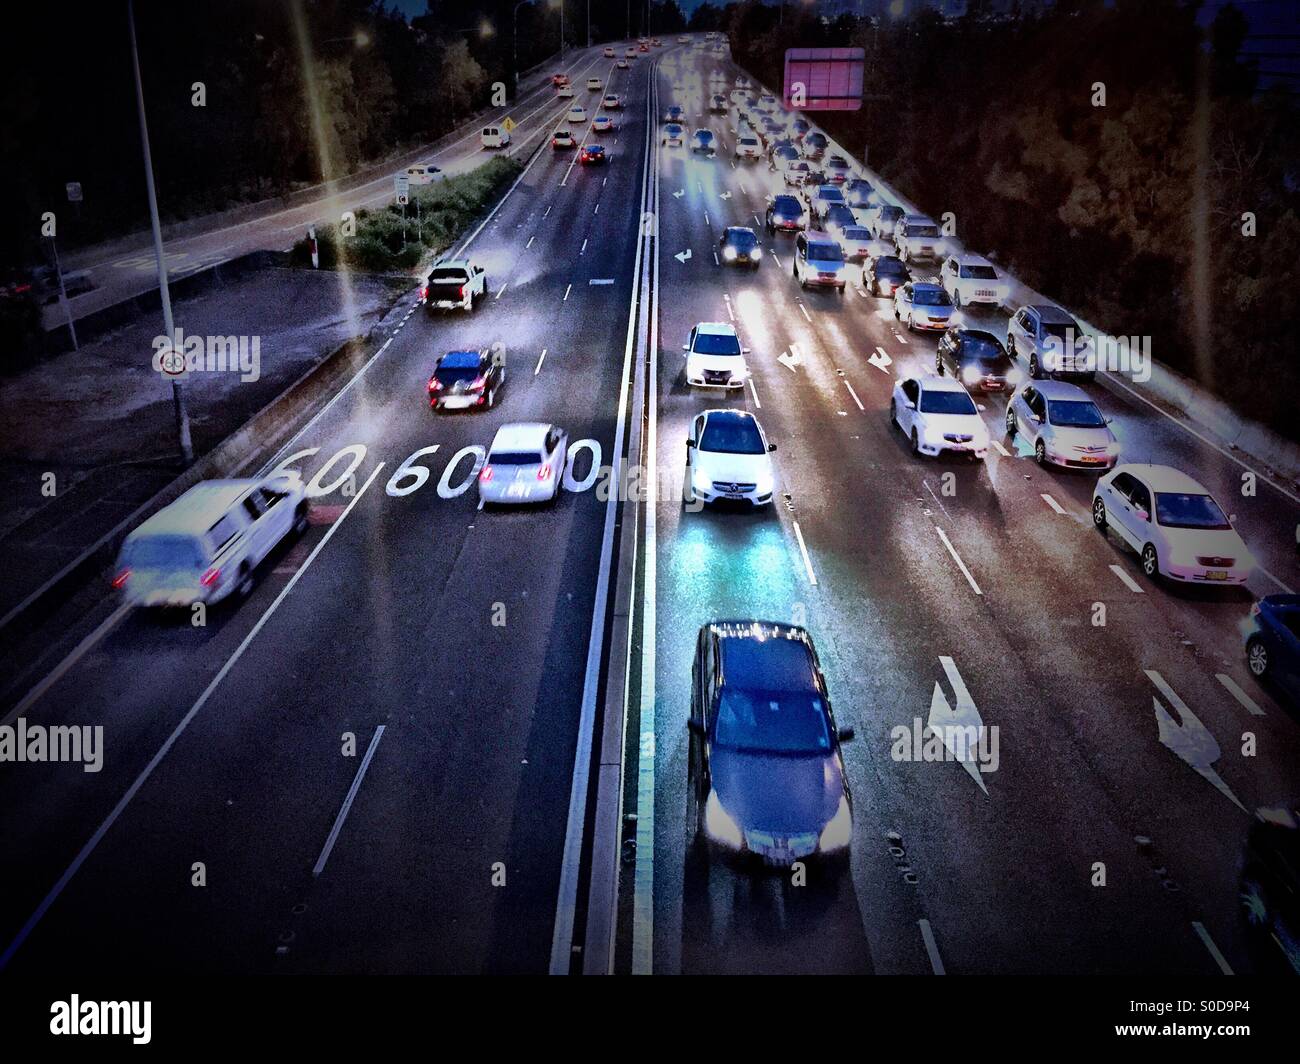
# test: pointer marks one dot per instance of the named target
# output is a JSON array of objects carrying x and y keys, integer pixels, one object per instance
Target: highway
[{"x": 373, "y": 763}]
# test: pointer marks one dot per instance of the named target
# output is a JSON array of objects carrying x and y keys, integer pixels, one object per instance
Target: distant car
[
  {"x": 702, "y": 140},
  {"x": 921, "y": 305},
  {"x": 562, "y": 139},
  {"x": 838, "y": 170},
  {"x": 784, "y": 214},
  {"x": 783, "y": 156},
  {"x": 657, "y": 43},
  {"x": 748, "y": 146},
  {"x": 882, "y": 219},
  {"x": 739, "y": 247},
  {"x": 494, "y": 137},
  {"x": 559, "y": 79},
  {"x": 918, "y": 239},
  {"x": 766, "y": 775},
  {"x": 837, "y": 220},
  {"x": 1273, "y": 643},
  {"x": 727, "y": 459},
  {"x": 595, "y": 85},
  {"x": 673, "y": 136},
  {"x": 208, "y": 544},
  {"x": 714, "y": 356},
  {"x": 822, "y": 198},
  {"x": 564, "y": 92},
  {"x": 524, "y": 464},
  {"x": 424, "y": 173},
  {"x": 818, "y": 261},
  {"x": 1174, "y": 524},
  {"x": 643, "y": 48},
  {"x": 675, "y": 113},
  {"x": 1063, "y": 426},
  {"x": 1269, "y": 890},
  {"x": 577, "y": 114},
  {"x": 938, "y": 416},
  {"x": 609, "y": 53},
  {"x": 683, "y": 39},
  {"x": 621, "y": 64},
  {"x": 453, "y": 284},
  {"x": 883, "y": 276},
  {"x": 1053, "y": 342},
  {"x": 612, "y": 101},
  {"x": 593, "y": 155},
  {"x": 465, "y": 380},
  {"x": 978, "y": 359},
  {"x": 860, "y": 246},
  {"x": 718, "y": 104},
  {"x": 630, "y": 53},
  {"x": 602, "y": 124},
  {"x": 859, "y": 193},
  {"x": 797, "y": 174},
  {"x": 972, "y": 279},
  {"x": 799, "y": 127},
  {"x": 814, "y": 145}
]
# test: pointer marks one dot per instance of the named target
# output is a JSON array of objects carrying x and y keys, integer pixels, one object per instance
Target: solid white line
[
  {"x": 157, "y": 758},
  {"x": 566, "y": 293},
  {"x": 530, "y": 242},
  {"x": 1052, "y": 503},
  {"x": 931, "y": 947},
  {"x": 502, "y": 289},
  {"x": 583, "y": 249},
  {"x": 998, "y": 446},
  {"x": 319, "y": 867},
  {"x": 1219, "y": 958},
  {"x": 957, "y": 558},
  {"x": 755, "y": 392},
  {"x": 803, "y": 549},
  {"x": 539, "y": 362},
  {"x": 1128, "y": 580},
  {"x": 1252, "y": 707},
  {"x": 855, "y": 396},
  {"x": 805, "y": 312}
]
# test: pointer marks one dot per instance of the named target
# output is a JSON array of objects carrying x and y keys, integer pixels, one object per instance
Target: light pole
[
  {"x": 178, "y": 392},
  {"x": 514, "y": 39}
]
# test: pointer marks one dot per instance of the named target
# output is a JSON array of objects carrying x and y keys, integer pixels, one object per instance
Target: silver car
[
  {"x": 1052, "y": 341},
  {"x": 1063, "y": 425},
  {"x": 524, "y": 464}
]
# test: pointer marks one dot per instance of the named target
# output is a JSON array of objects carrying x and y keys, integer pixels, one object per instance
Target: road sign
[
  {"x": 402, "y": 186},
  {"x": 74, "y": 191},
  {"x": 509, "y": 125}
]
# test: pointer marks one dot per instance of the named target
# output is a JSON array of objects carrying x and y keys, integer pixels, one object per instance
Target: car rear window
[
  {"x": 164, "y": 552},
  {"x": 448, "y": 276},
  {"x": 515, "y": 458}
]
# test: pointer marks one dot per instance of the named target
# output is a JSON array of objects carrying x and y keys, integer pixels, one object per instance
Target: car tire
[
  {"x": 1011, "y": 422},
  {"x": 897, "y": 315},
  {"x": 911, "y": 322},
  {"x": 1099, "y": 514},
  {"x": 1035, "y": 370},
  {"x": 1150, "y": 562},
  {"x": 893, "y": 413},
  {"x": 938, "y": 367},
  {"x": 916, "y": 444},
  {"x": 300, "y": 519},
  {"x": 956, "y": 299},
  {"x": 1040, "y": 453},
  {"x": 244, "y": 587},
  {"x": 1257, "y": 659}
]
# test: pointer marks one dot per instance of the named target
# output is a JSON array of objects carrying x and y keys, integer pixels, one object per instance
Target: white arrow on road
[
  {"x": 679, "y": 193},
  {"x": 960, "y": 729},
  {"x": 1188, "y": 737},
  {"x": 881, "y": 360},
  {"x": 793, "y": 357},
  {"x": 726, "y": 195},
  {"x": 682, "y": 256}
]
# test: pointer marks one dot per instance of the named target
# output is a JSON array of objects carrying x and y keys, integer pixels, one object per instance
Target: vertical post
[
  {"x": 178, "y": 392},
  {"x": 63, "y": 295}
]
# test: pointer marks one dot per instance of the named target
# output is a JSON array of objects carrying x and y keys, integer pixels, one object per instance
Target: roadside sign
[
  {"x": 74, "y": 191},
  {"x": 509, "y": 125},
  {"x": 402, "y": 186}
]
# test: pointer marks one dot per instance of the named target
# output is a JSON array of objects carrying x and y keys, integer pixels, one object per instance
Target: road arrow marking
[
  {"x": 793, "y": 357},
  {"x": 726, "y": 195},
  {"x": 679, "y": 193},
  {"x": 954, "y": 726},
  {"x": 881, "y": 360},
  {"x": 1188, "y": 737},
  {"x": 682, "y": 256}
]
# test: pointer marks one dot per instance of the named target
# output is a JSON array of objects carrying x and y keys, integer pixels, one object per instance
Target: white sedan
[
  {"x": 594, "y": 84},
  {"x": 577, "y": 113},
  {"x": 938, "y": 416},
  {"x": 1174, "y": 524},
  {"x": 524, "y": 464},
  {"x": 564, "y": 92},
  {"x": 1063, "y": 426},
  {"x": 621, "y": 64},
  {"x": 602, "y": 124},
  {"x": 728, "y": 457}
]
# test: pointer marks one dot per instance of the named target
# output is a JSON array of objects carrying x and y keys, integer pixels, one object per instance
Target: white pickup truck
[{"x": 454, "y": 284}]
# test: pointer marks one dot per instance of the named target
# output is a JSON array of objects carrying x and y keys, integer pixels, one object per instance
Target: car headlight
[
  {"x": 970, "y": 374},
  {"x": 838, "y": 833},
  {"x": 757, "y": 253},
  {"x": 1015, "y": 375},
  {"x": 719, "y": 826},
  {"x": 729, "y": 254}
]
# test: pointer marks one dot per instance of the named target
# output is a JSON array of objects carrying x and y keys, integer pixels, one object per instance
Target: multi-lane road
[{"x": 383, "y": 760}]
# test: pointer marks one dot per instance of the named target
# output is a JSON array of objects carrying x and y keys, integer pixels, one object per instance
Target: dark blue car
[{"x": 1273, "y": 642}]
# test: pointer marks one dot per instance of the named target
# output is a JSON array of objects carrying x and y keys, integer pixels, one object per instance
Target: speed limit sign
[{"x": 402, "y": 185}]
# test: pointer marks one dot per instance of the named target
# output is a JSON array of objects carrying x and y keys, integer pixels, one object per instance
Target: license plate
[
  {"x": 1216, "y": 574},
  {"x": 1094, "y": 461}
]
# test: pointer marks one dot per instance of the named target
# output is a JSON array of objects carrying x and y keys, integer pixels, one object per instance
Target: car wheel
[
  {"x": 1257, "y": 657},
  {"x": 916, "y": 443},
  {"x": 244, "y": 587},
  {"x": 1011, "y": 422},
  {"x": 300, "y": 521},
  {"x": 688, "y": 493},
  {"x": 1040, "y": 453},
  {"x": 897, "y": 315},
  {"x": 938, "y": 366},
  {"x": 911, "y": 322},
  {"x": 1099, "y": 514},
  {"x": 1011, "y": 348},
  {"x": 956, "y": 299},
  {"x": 1150, "y": 562},
  {"x": 893, "y": 413}
]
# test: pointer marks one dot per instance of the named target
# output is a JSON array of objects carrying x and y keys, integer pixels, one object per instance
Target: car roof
[
  {"x": 1050, "y": 389},
  {"x": 740, "y": 229},
  {"x": 1052, "y": 314},
  {"x": 451, "y": 264},
  {"x": 785, "y": 199},
  {"x": 198, "y": 509},
  {"x": 765, "y": 655},
  {"x": 935, "y": 383},
  {"x": 1163, "y": 478},
  {"x": 715, "y": 328},
  {"x": 524, "y": 435},
  {"x": 978, "y": 334},
  {"x": 460, "y": 360},
  {"x": 967, "y": 258},
  {"x": 729, "y": 415},
  {"x": 918, "y": 219},
  {"x": 927, "y": 285}
]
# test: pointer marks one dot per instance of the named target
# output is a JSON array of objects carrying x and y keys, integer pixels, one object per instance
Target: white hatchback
[
  {"x": 714, "y": 357},
  {"x": 728, "y": 457},
  {"x": 524, "y": 464}
]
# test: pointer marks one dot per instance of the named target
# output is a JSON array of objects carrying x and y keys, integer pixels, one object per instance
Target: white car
[
  {"x": 922, "y": 305},
  {"x": 918, "y": 238},
  {"x": 1174, "y": 524},
  {"x": 748, "y": 146},
  {"x": 1063, "y": 426},
  {"x": 564, "y": 92},
  {"x": 727, "y": 457},
  {"x": 602, "y": 124},
  {"x": 209, "y": 542},
  {"x": 630, "y": 53},
  {"x": 562, "y": 139},
  {"x": 577, "y": 113},
  {"x": 423, "y": 174},
  {"x": 612, "y": 101},
  {"x": 683, "y": 39},
  {"x": 673, "y": 135},
  {"x": 937, "y": 415},
  {"x": 609, "y": 53},
  {"x": 714, "y": 357},
  {"x": 621, "y": 64},
  {"x": 524, "y": 464},
  {"x": 973, "y": 279},
  {"x": 594, "y": 84}
]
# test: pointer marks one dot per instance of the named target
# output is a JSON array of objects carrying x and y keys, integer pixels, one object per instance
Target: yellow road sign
[{"x": 509, "y": 125}]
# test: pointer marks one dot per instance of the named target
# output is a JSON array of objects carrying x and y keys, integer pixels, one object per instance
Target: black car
[
  {"x": 884, "y": 274},
  {"x": 766, "y": 774},
  {"x": 859, "y": 193},
  {"x": 978, "y": 359},
  {"x": 784, "y": 213},
  {"x": 466, "y": 380},
  {"x": 739, "y": 247},
  {"x": 1270, "y": 891},
  {"x": 814, "y": 145}
]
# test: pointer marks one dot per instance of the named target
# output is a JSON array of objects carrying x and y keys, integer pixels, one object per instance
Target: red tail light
[
  {"x": 435, "y": 385},
  {"x": 478, "y": 383},
  {"x": 120, "y": 580},
  {"x": 460, "y": 292},
  {"x": 210, "y": 577},
  {"x": 486, "y": 474},
  {"x": 544, "y": 473},
  {"x": 424, "y": 292}
]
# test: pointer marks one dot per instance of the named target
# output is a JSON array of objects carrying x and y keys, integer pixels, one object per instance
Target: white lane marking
[
  {"x": 948, "y": 722},
  {"x": 540, "y": 360},
  {"x": 881, "y": 360},
  {"x": 600, "y": 281},
  {"x": 777, "y": 261},
  {"x": 804, "y": 310},
  {"x": 855, "y": 396},
  {"x": 501, "y": 289},
  {"x": 727, "y": 299},
  {"x": 715, "y": 259},
  {"x": 1205, "y": 938},
  {"x": 583, "y": 250},
  {"x": 60, "y": 670},
  {"x": 597, "y": 210},
  {"x": 1188, "y": 738},
  {"x": 755, "y": 393},
  {"x": 757, "y": 220},
  {"x": 567, "y": 290},
  {"x": 1129, "y": 582},
  {"x": 333, "y": 837},
  {"x": 1052, "y": 503},
  {"x": 530, "y": 242},
  {"x": 1252, "y": 707},
  {"x": 931, "y": 947},
  {"x": 548, "y": 206},
  {"x": 803, "y": 549},
  {"x": 194, "y": 710},
  {"x": 957, "y": 558},
  {"x": 997, "y": 445},
  {"x": 706, "y": 219}
]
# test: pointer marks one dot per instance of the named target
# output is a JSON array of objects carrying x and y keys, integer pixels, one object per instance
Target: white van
[
  {"x": 423, "y": 173},
  {"x": 495, "y": 137},
  {"x": 207, "y": 544}
]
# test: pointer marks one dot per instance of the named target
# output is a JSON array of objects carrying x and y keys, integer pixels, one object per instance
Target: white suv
[
  {"x": 972, "y": 279},
  {"x": 714, "y": 357}
]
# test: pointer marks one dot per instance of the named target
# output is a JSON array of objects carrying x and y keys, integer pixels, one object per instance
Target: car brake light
[
  {"x": 486, "y": 474},
  {"x": 424, "y": 292},
  {"x": 478, "y": 383},
  {"x": 120, "y": 580},
  {"x": 460, "y": 292},
  {"x": 1254, "y": 609},
  {"x": 210, "y": 577},
  {"x": 434, "y": 384},
  {"x": 544, "y": 473}
]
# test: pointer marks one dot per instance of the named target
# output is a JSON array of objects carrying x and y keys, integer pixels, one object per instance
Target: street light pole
[{"x": 178, "y": 392}]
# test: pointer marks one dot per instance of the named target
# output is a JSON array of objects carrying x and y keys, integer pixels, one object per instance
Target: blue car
[{"x": 1273, "y": 642}]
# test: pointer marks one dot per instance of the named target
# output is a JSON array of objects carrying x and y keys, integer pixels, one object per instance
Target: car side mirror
[
  {"x": 771, "y": 447},
  {"x": 686, "y": 347},
  {"x": 1110, "y": 421},
  {"x": 744, "y": 350},
  {"x": 689, "y": 443},
  {"x": 694, "y": 726},
  {"x": 845, "y": 735}
]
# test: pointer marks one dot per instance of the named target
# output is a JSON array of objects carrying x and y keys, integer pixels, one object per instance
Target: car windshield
[
  {"x": 787, "y": 205},
  {"x": 515, "y": 458},
  {"x": 890, "y": 214},
  {"x": 1060, "y": 330},
  {"x": 856, "y": 232},
  {"x": 1075, "y": 414},
  {"x": 776, "y": 722},
  {"x": 931, "y": 297},
  {"x": 1181, "y": 510},
  {"x": 942, "y": 402},
  {"x": 986, "y": 273},
  {"x": 672, "y": 130},
  {"x": 889, "y": 266},
  {"x": 922, "y": 230},
  {"x": 830, "y": 195},
  {"x": 163, "y": 552},
  {"x": 749, "y": 142},
  {"x": 741, "y": 238},
  {"x": 730, "y": 435},
  {"x": 716, "y": 344},
  {"x": 978, "y": 349},
  {"x": 839, "y": 213},
  {"x": 825, "y": 253}
]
